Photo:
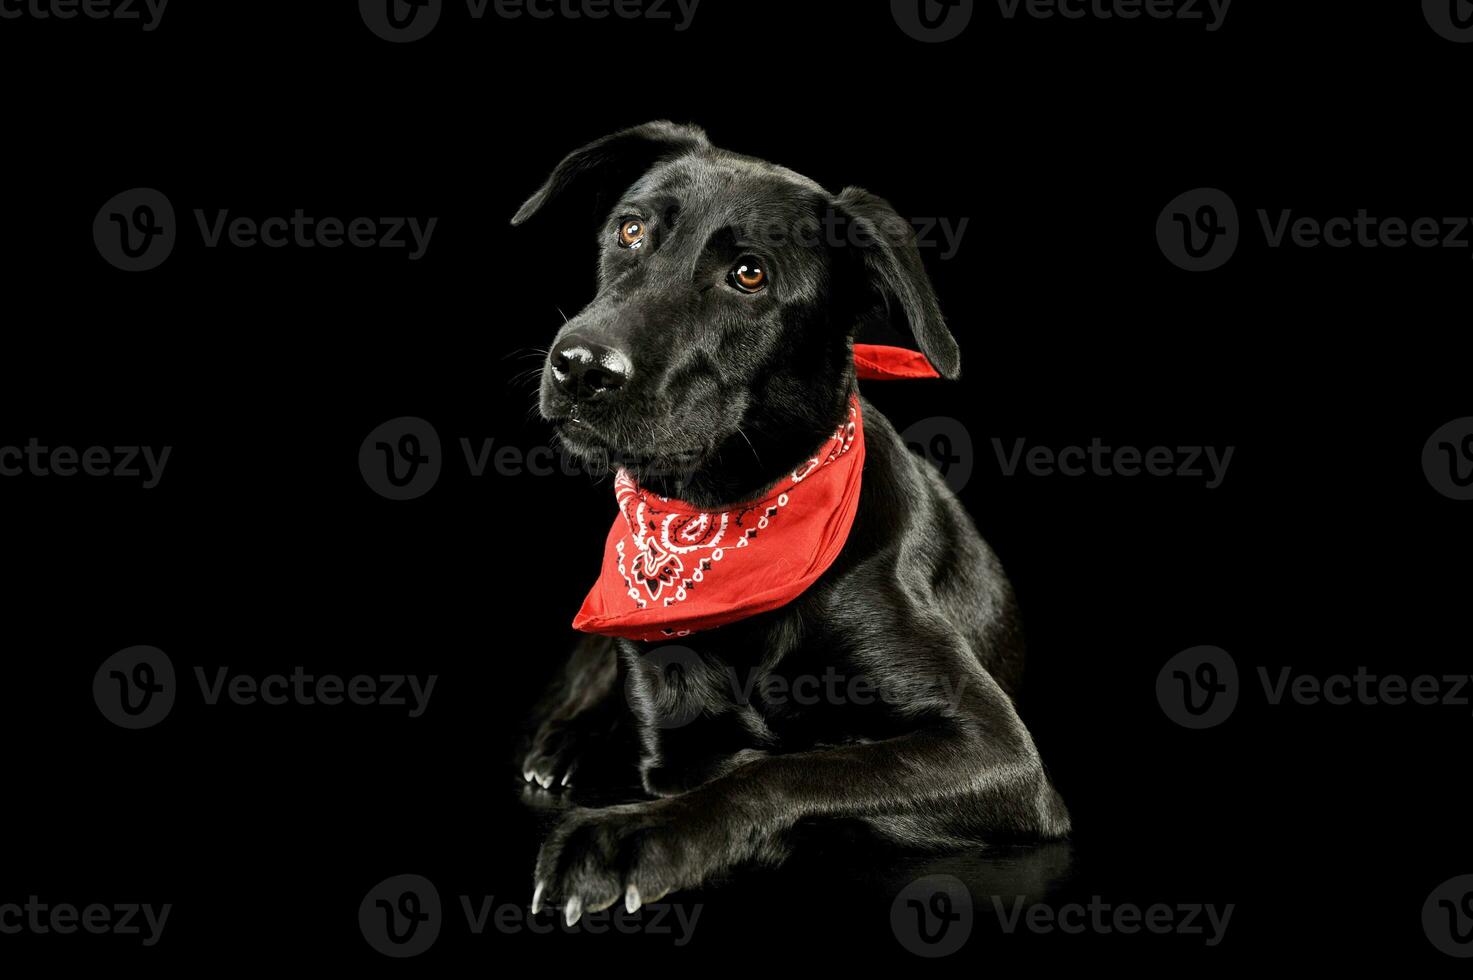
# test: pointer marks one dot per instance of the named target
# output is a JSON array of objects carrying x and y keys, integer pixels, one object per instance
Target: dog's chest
[{"x": 720, "y": 699}]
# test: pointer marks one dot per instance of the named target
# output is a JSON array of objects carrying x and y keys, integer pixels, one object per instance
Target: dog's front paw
[
  {"x": 639, "y": 853},
  {"x": 554, "y": 754}
]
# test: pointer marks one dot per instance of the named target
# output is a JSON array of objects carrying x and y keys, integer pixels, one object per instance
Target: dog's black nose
[{"x": 587, "y": 370}]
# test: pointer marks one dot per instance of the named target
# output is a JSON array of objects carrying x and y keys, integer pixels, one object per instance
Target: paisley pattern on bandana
[{"x": 671, "y": 569}]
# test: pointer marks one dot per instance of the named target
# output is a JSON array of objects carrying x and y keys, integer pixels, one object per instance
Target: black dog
[{"x": 716, "y": 357}]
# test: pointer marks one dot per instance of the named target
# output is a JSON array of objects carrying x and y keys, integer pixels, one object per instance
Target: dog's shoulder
[
  {"x": 914, "y": 557},
  {"x": 903, "y": 494}
]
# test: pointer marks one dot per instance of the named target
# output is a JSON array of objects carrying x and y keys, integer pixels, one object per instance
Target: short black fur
[{"x": 709, "y": 393}]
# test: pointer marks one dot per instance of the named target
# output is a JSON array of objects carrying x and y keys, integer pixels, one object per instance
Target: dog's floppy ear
[
  {"x": 609, "y": 165},
  {"x": 892, "y": 264}
]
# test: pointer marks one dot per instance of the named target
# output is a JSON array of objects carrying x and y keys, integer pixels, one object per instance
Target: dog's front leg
[
  {"x": 972, "y": 771},
  {"x": 578, "y": 716}
]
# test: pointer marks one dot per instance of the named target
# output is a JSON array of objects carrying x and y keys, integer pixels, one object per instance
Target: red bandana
[{"x": 670, "y": 569}]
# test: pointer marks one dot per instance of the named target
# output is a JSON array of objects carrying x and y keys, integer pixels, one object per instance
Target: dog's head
[{"x": 717, "y": 353}]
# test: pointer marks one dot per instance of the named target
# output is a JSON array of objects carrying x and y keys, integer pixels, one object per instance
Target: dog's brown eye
[
  {"x": 749, "y": 275},
  {"x": 631, "y": 233}
]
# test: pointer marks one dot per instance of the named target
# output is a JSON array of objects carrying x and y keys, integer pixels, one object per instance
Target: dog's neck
[{"x": 750, "y": 463}]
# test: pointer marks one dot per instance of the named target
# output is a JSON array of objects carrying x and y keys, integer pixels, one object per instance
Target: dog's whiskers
[
  {"x": 749, "y": 445},
  {"x": 529, "y": 375},
  {"x": 525, "y": 352}
]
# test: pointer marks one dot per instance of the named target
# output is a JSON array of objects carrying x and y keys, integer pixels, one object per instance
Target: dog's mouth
[
  {"x": 581, "y": 437},
  {"x": 600, "y": 448}
]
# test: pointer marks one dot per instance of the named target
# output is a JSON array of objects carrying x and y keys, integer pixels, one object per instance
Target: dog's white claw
[
  {"x": 529, "y": 776},
  {"x": 567, "y": 776},
  {"x": 574, "y": 910},
  {"x": 537, "y": 898},
  {"x": 631, "y": 900},
  {"x": 545, "y": 782}
]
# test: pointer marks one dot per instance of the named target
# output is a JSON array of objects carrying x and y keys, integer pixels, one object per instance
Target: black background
[{"x": 1061, "y": 141}]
